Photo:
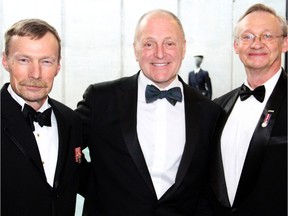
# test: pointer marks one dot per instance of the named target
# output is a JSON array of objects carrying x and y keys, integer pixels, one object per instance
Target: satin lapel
[
  {"x": 127, "y": 100},
  {"x": 63, "y": 136},
  {"x": 192, "y": 107},
  {"x": 259, "y": 139},
  {"x": 16, "y": 128},
  {"x": 191, "y": 122},
  {"x": 217, "y": 170}
]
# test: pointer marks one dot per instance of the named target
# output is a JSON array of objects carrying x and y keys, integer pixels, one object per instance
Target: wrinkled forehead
[{"x": 259, "y": 21}]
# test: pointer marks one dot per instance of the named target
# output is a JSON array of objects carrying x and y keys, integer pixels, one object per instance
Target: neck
[
  {"x": 257, "y": 77},
  {"x": 36, "y": 105}
]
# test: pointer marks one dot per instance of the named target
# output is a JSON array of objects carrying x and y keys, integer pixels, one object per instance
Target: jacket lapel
[
  {"x": 191, "y": 121},
  {"x": 127, "y": 94},
  {"x": 192, "y": 106},
  {"x": 127, "y": 100},
  {"x": 63, "y": 135},
  {"x": 16, "y": 128},
  {"x": 217, "y": 171},
  {"x": 259, "y": 139}
]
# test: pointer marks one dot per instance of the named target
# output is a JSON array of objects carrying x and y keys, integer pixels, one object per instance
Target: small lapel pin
[
  {"x": 78, "y": 154},
  {"x": 267, "y": 118}
]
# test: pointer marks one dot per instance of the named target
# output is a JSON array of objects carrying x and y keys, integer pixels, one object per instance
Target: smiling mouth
[
  {"x": 160, "y": 64},
  {"x": 257, "y": 54}
]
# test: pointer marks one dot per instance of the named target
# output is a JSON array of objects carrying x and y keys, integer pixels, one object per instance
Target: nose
[
  {"x": 35, "y": 70},
  {"x": 257, "y": 43},
  {"x": 160, "y": 51}
]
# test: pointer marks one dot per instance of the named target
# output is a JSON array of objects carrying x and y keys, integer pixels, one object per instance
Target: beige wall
[{"x": 97, "y": 38}]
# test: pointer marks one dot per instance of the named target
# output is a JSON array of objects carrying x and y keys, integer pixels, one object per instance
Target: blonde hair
[
  {"x": 33, "y": 28},
  {"x": 263, "y": 8}
]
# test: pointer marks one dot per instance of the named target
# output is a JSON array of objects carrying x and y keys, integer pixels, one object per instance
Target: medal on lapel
[
  {"x": 78, "y": 154},
  {"x": 267, "y": 118}
]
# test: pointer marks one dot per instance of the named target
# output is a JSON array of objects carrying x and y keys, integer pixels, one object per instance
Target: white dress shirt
[
  {"x": 46, "y": 138},
  {"x": 238, "y": 132},
  {"x": 197, "y": 70},
  {"x": 161, "y": 132}
]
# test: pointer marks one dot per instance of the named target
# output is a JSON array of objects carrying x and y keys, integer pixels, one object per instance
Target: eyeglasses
[{"x": 264, "y": 38}]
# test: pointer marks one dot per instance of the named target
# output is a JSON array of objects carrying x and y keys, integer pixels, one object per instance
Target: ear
[
  {"x": 235, "y": 45},
  {"x": 5, "y": 61},
  {"x": 184, "y": 49},
  {"x": 58, "y": 69},
  {"x": 135, "y": 51},
  {"x": 285, "y": 44}
]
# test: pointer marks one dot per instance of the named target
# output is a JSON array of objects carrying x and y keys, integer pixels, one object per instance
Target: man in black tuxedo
[
  {"x": 149, "y": 157},
  {"x": 199, "y": 79},
  {"x": 249, "y": 168},
  {"x": 40, "y": 160}
]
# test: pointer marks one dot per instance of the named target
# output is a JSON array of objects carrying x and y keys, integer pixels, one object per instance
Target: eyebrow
[
  {"x": 17, "y": 55},
  {"x": 166, "y": 38}
]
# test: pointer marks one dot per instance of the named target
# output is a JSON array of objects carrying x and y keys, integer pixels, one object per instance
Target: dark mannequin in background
[{"x": 199, "y": 79}]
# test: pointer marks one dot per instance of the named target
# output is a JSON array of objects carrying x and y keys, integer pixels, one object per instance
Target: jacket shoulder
[
  {"x": 224, "y": 99},
  {"x": 63, "y": 109}
]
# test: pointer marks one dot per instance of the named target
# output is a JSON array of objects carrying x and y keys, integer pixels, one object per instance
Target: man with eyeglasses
[{"x": 249, "y": 169}]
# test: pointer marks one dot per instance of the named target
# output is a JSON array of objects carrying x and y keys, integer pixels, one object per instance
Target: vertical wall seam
[
  {"x": 122, "y": 29},
  {"x": 63, "y": 81},
  {"x": 1, "y": 40},
  {"x": 179, "y": 9},
  {"x": 232, "y": 36}
]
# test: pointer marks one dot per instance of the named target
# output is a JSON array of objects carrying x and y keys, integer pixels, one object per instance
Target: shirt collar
[
  {"x": 144, "y": 81},
  {"x": 269, "y": 84}
]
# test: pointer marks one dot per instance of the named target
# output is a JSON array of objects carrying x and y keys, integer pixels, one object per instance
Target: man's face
[
  {"x": 259, "y": 55},
  {"x": 33, "y": 65},
  {"x": 159, "y": 48}
]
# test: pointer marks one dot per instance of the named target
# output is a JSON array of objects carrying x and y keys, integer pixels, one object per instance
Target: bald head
[{"x": 153, "y": 14}]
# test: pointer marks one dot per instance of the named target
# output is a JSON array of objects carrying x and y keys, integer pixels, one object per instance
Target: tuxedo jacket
[
  {"x": 24, "y": 188},
  {"x": 201, "y": 82},
  {"x": 120, "y": 182},
  {"x": 262, "y": 189}
]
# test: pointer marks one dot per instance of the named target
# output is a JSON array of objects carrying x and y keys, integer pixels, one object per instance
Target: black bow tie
[
  {"x": 173, "y": 95},
  {"x": 42, "y": 118},
  {"x": 258, "y": 93}
]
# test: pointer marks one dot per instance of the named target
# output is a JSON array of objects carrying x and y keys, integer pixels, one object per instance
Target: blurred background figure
[{"x": 199, "y": 79}]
